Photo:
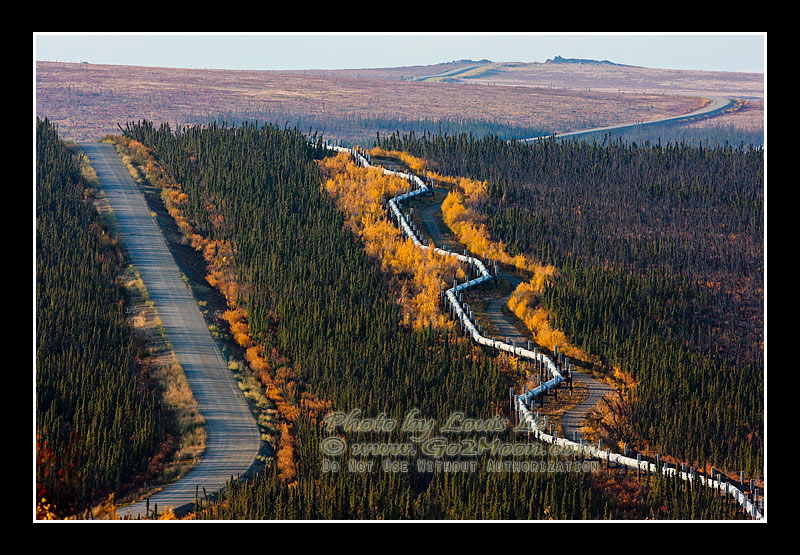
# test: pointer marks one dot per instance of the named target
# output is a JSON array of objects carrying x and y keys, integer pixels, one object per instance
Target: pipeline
[{"x": 527, "y": 421}]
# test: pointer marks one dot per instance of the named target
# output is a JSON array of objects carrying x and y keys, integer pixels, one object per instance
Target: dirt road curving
[
  {"x": 716, "y": 106},
  {"x": 510, "y": 329}
]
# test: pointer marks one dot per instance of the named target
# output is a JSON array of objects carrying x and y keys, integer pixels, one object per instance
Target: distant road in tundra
[
  {"x": 233, "y": 435},
  {"x": 718, "y": 104}
]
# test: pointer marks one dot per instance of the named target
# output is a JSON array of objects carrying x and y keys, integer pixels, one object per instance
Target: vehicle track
[
  {"x": 451, "y": 73},
  {"x": 233, "y": 437},
  {"x": 718, "y": 105},
  {"x": 571, "y": 420}
]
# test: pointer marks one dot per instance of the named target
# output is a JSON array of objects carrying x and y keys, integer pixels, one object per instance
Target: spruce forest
[
  {"x": 660, "y": 251},
  {"x": 98, "y": 418},
  {"x": 324, "y": 333},
  {"x": 400, "y": 276}
]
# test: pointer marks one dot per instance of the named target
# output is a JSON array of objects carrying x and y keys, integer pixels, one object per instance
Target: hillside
[
  {"x": 560, "y": 60},
  {"x": 617, "y": 78},
  {"x": 323, "y": 327},
  {"x": 87, "y": 101},
  {"x": 636, "y": 258}
]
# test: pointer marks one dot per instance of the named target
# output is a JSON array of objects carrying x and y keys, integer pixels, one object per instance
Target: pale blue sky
[{"x": 721, "y": 52}]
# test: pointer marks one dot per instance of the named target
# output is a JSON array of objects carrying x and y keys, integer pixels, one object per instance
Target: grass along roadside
[
  {"x": 187, "y": 421},
  {"x": 211, "y": 302},
  {"x": 186, "y": 436}
]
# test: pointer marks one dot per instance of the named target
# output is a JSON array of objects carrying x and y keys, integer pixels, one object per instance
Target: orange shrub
[
  {"x": 468, "y": 224},
  {"x": 357, "y": 192},
  {"x": 524, "y": 303},
  {"x": 219, "y": 256},
  {"x": 417, "y": 165}
]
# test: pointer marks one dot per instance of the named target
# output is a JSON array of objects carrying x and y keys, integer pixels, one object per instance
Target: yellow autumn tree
[
  {"x": 468, "y": 224},
  {"x": 461, "y": 214},
  {"x": 286, "y": 465},
  {"x": 525, "y": 304},
  {"x": 358, "y": 192},
  {"x": 416, "y": 165}
]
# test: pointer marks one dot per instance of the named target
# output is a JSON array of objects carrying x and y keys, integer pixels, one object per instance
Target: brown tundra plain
[{"x": 87, "y": 101}]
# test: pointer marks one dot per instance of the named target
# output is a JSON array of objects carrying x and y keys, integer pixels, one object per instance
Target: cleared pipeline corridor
[
  {"x": 572, "y": 419},
  {"x": 524, "y": 404}
]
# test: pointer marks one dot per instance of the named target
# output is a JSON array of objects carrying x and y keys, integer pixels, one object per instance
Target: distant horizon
[
  {"x": 381, "y": 67},
  {"x": 742, "y": 53}
]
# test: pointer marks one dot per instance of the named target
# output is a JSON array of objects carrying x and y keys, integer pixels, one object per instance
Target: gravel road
[{"x": 233, "y": 435}]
